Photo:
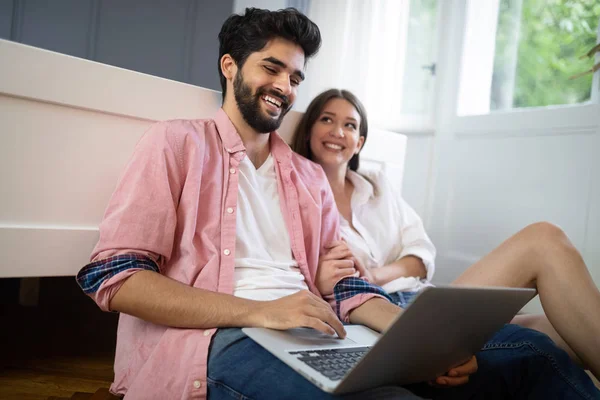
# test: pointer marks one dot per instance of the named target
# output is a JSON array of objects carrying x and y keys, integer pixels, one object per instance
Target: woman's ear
[
  {"x": 359, "y": 145},
  {"x": 228, "y": 67}
]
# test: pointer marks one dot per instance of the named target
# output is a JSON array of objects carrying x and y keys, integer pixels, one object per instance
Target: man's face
[{"x": 265, "y": 87}]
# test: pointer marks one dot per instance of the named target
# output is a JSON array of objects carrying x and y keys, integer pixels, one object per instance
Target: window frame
[{"x": 468, "y": 69}]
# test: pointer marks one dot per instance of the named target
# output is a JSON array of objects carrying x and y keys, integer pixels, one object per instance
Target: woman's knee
[
  {"x": 545, "y": 238},
  {"x": 531, "y": 321},
  {"x": 543, "y": 230}
]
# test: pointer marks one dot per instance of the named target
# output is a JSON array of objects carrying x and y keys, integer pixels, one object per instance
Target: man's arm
[
  {"x": 156, "y": 298},
  {"x": 162, "y": 300}
]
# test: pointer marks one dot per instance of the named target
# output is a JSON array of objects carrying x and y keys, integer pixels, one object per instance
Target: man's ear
[{"x": 228, "y": 67}]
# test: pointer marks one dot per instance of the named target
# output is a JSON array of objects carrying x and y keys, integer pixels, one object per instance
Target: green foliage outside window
[{"x": 538, "y": 44}]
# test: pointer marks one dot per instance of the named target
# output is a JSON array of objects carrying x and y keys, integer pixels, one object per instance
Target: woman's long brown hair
[{"x": 301, "y": 140}]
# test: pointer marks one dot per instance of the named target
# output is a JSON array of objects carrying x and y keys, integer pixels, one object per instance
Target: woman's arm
[
  {"x": 410, "y": 252},
  {"x": 406, "y": 266}
]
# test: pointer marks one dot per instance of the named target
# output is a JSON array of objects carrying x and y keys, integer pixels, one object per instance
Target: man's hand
[
  {"x": 458, "y": 375},
  {"x": 301, "y": 309},
  {"x": 337, "y": 262}
]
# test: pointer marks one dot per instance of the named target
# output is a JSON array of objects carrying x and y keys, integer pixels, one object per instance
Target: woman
[{"x": 332, "y": 133}]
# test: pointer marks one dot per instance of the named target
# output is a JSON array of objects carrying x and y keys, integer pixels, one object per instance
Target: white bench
[{"x": 67, "y": 128}]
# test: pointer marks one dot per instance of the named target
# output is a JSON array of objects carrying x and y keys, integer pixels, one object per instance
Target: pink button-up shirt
[{"x": 170, "y": 206}]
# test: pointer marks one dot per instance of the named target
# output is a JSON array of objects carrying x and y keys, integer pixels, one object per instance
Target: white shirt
[
  {"x": 387, "y": 229},
  {"x": 264, "y": 266}
]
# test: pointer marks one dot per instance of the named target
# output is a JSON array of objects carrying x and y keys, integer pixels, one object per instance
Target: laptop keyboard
[{"x": 333, "y": 363}]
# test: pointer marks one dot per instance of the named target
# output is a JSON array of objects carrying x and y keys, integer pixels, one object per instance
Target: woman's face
[{"x": 334, "y": 137}]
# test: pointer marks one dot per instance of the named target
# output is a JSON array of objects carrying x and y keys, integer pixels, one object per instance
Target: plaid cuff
[
  {"x": 352, "y": 286},
  {"x": 92, "y": 275}
]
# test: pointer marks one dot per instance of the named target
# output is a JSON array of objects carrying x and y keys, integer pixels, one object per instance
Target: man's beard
[{"x": 249, "y": 106}]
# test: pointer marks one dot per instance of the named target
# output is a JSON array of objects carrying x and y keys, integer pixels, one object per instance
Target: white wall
[
  {"x": 240, "y": 5},
  {"x": 492, "y": 175},
  {"x": 492, "y": 182},
  {"x": 417, "y": 171},
  {"x": 67, "y": 128}
]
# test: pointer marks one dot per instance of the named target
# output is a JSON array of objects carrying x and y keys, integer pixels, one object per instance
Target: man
[{"x": 216, "y": 224}]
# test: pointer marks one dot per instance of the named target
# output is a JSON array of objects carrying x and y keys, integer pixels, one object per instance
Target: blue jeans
[{"x": 516, "y": 363}]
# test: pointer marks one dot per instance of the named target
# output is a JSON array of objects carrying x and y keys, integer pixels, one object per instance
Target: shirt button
[
  {"x": 226, "y": 252},
  {"x": 197, "y": 384},
  {"x": 232, "y": 170},
  {"x": 230, "y": 210},
  {"x": 206, "y": 333}
]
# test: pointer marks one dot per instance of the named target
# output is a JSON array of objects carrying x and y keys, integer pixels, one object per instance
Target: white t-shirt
[
  {"x": 387, "y": 229},
  {"x": 264, "y": 266}
]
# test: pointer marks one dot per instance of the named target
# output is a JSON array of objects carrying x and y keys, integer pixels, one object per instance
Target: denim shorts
[{"x": 403, "y": 299}]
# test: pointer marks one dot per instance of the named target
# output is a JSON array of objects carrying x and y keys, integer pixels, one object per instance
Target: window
[
  {"x": 420, "y": 64},
  {"x": 384, "y": 51},
  {"x": 521, "y": 53}
]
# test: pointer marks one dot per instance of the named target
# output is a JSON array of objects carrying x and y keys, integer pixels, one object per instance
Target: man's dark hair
[{"x": 242, "y": 35}]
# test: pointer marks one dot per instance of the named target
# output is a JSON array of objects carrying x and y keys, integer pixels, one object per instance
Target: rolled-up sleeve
[
  {"x": 101, "y": 279},
  {"x": 351, "y": 292},
  {"x": 138, "y": 228}
]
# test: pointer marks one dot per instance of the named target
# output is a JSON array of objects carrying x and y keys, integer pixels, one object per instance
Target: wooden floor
[{"x": 61, "y": 349}]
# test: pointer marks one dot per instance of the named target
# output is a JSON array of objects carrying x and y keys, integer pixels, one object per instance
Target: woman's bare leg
[{"x": 541, "y": 256}]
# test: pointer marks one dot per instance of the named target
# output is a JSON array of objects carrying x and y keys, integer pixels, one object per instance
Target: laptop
[{"x": 442, "y": 328}]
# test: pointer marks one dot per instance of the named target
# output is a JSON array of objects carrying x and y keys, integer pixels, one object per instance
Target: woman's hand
[
  {"x": 336, "y": 263},
  {"x": 367, "y": 273}
]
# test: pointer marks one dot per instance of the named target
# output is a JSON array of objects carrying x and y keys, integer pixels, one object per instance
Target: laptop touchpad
[{"x": 312, "y": 337}]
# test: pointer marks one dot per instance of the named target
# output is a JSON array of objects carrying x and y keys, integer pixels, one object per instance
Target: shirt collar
[
  {"x": 363, "y": 189},
  {"x": 280, "y": 149},
  {"x": 232, "y": 140}
]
